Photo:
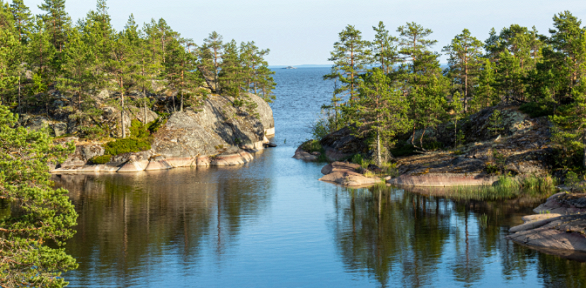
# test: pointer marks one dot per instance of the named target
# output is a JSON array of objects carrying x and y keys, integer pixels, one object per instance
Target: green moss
[{"x": 101, "y": 159}]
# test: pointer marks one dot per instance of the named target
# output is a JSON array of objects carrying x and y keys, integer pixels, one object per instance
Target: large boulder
[{"x": 342, "y": 144}]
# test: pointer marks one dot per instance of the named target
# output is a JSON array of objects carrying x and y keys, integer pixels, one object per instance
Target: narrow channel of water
[{"x": 270, "y": 223}]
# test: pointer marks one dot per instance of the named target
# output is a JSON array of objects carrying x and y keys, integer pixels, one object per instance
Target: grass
[
  {"x": 506, "y": 188},
  {"x": 314, "y": 146}
]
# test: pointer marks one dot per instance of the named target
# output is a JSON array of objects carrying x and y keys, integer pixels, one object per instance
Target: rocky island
[{"x": 202, "y": 137}]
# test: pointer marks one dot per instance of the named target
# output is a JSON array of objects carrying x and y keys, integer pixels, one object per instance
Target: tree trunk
[
  {"x": 122, "y": 112},
  {"x": 456, "y": 134},
  {"x": 584, "y": 142},
  {"x": 378, "y": 156}
]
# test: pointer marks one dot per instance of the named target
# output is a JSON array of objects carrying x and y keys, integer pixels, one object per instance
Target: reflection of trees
[
  {"x": 127, "y": 221},
  {"x": 379, "y": 228},
  {"x": 407, "y": 238}
]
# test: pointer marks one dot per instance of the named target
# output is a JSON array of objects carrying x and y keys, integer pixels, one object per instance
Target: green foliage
[
  {"x": 539, "y": 184},
  {"x": 496, "y": 122},
  {"x": 101, "y": 159},
  {"x": 126, "y": 145},
  {"x": 572, "y": 179},
  {"x": 491, "y": 169},
  {"x": 320, "y": 128},
  {"x": 38, "y": 214},
  {"x": 139, "y": 140},
  {"x": 536, "y": 110},
  {"x": 311, "y": 146}
]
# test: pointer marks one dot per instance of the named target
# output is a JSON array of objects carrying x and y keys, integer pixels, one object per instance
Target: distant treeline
[
  {"x": 47, "y": 58},
  {"x": 407, "y": 90}
]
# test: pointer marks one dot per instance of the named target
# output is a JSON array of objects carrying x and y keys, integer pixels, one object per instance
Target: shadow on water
[{"x": 412, "y": 238}]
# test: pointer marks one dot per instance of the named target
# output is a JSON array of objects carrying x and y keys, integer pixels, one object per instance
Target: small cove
[{"x": 270, "y": 223}]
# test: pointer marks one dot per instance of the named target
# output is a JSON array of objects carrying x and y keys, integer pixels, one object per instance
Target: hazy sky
[{"x": 303, "y": 31}]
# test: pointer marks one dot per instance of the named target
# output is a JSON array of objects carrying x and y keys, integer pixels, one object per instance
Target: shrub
[
  {"x": 403, "y": 149},
  {"x": 126, "y": 145},
  {"x": 101, "y": 159},
  {"x": 536, "y": 110},
  {"x": 311, "y": 146},
  {"x": 138, "y": 130}
]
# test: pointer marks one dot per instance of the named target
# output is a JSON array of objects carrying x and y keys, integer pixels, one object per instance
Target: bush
[
  {"x": 138, "y": 130},
  {"x": 403, "y": 149},
  {"x": 536, "y": 110},
  {"x": 311, "y": 146},
  {"x": 127, "y": 145},
  {"x": 101, "y": 159}
]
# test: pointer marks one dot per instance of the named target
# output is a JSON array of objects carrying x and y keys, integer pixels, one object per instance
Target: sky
[{"x": 303, "y": 31}]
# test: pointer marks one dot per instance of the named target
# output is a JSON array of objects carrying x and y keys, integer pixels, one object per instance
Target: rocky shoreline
[
  {"x": 523, "y": 150},
  {"x": 208, "y": 136}
]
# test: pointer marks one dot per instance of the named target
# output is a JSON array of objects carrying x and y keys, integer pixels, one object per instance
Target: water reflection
[
  {"x": 132, "y": 221},
  {"x": 423, "y": 240}
]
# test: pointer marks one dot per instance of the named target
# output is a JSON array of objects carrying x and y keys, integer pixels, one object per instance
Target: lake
[{"x": 270, "y": 223}]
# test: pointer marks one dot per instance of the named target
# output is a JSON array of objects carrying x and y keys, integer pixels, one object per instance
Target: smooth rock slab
[
  {"x": 232, "y": 159},
  {"x": 158, "y": 165},
  {"x": 134, "y": 166},
  {"x": 446, "y": 179}
]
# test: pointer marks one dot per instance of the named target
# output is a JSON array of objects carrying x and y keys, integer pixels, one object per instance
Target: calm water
[{"x": 270, "y": 223}]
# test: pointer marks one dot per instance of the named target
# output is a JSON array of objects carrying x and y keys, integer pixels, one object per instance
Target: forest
[
  {"x": 392, "y": 86},
  {"x": 52, "y": 66}
]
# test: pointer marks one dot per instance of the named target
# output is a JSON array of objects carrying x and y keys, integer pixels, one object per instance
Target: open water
[{"x": 270, "y": 223}]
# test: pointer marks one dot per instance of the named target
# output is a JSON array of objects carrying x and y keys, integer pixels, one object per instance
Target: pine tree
[
  {"x": 210, "y": 59},
  {"x": 231, "y": 78},
  {"x": 486, "y": 94},
  {"x": 45, "y": 215},
  {"x": 57, "y": 21},
  {"x": 40, "y": 57},
  {"x": 77, "y": 63},
  {"x": 413, "y": 44},
  {"x": 384, "y": 50},
  {"x": 458, "y": 113},
  {"x": 121, "y": 66},
  {"x": 380, "y": 110},
  {"x": 9, "y": 56},
  {"x": 567, "y": 42},
  {"x": 350, "y": 57},
  {"x": 22, "y": 23},
  {"x": 181, "y": 69},
  {"x": 465, "y": 60}
]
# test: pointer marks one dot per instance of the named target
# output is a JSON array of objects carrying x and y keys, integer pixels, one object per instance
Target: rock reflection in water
[
  {"x": 417, "y": 240},
  {"x": 128, "y": 221}
]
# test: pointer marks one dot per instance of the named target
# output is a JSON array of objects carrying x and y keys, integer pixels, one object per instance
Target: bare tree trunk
[
  {"x": 122, "y": 113},
  {"x": 378, "y": 156}
]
